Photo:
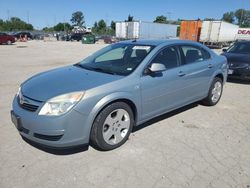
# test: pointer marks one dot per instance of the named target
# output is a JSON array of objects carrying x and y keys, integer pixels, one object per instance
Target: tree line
[
  {"x": 240, "y": 17},
  {"x": 15, "y": 24}
]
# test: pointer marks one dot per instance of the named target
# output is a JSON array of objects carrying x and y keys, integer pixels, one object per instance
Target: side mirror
[
  {"x": 157, "y": 67},
  {"x": 224, "y": 50}
]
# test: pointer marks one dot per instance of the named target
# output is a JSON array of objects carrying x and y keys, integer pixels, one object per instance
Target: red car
[
  {"x": 6, "y": 39},
  {"x": 109, "y": 39}
]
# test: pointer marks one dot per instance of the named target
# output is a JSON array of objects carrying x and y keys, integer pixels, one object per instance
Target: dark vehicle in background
[
  {"x": 40, "y": 36},
  {"x": 22, "y": 34},
  {"x": 109, "y": 39},
  {"x": 66, "y": 37},
  {"x": 6, "y": 39},
  {"x": 238, "y": 57},
  {"x": 76, "y": 36}
]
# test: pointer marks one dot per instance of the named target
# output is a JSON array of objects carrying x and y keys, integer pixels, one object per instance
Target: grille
[
  {"x": 29, "y": 107},
  {"x": 26, "y": 103},
  {"x": 236, "y": 65},
  {"x": 48, "y": 137}
]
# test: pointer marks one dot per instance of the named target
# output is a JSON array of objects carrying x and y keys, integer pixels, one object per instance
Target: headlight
[
  {"x": 18, "y": 92},
  {"x": 61, "y": 104}
]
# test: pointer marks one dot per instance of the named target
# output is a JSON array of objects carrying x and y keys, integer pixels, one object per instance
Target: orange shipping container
[{"x": 190, "y": 30}]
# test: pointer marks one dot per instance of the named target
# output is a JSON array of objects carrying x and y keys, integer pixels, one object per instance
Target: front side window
[
  {"x": 168, "y": 57},
  {"x": 194, "y": 54},
  {"x": 119, "y": 59}
]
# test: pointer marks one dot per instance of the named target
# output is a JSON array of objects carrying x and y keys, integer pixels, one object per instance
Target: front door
[{"x": 161, "y": 92}]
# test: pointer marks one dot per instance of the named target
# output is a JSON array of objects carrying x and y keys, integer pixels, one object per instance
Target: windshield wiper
[
  {"x": 94, "y": 69},
  {"x": 79, "y": 65},
  {"x": 102, "y": 70}
]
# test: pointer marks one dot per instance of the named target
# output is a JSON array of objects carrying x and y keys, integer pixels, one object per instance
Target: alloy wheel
[{"x": 116, "y": 126}]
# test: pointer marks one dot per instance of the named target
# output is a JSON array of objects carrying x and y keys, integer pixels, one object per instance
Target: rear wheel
[
  {"x": 112, "y": 126},
  {"x": 215, "y": 92},
  {"x": 9, "y": 42}
]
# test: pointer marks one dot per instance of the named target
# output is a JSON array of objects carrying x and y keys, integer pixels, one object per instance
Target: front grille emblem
[{"x": 21, "y": 99}]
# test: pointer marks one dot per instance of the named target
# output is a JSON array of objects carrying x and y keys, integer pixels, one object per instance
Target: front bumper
[
  {"x": 239, "y": 73},
  {"x": 63, "y": 131}
]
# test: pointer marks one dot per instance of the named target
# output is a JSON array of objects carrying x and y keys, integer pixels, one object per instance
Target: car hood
[
  {"x": 237, "y": 58},
  {"x": 63, "y": 80}
]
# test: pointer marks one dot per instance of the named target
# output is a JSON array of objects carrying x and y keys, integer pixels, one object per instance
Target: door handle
[
  {"x": 181, "y": 74},
  {"x": 210, "y": 66}
]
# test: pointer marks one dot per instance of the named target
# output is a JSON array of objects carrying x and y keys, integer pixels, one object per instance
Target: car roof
[
  {"x": 156, "y": 42},
  {"x": 244, "y": 41}
]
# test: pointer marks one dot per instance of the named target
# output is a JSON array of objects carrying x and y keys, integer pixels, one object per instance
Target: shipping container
[
  {"x": 121, "y": 29},
  {"x": 243, "y": 34},
  {"x": 190, "y": 30},
  {"x": 145, "y": 30},
  {"x": 218, "y": 33}
]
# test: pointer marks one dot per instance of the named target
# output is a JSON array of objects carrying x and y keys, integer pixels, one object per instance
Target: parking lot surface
[{"x": 196, "y": 146}]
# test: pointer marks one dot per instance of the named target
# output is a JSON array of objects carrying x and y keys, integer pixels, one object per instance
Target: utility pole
[
  {"x": 106, "y": 20},
  {"x": 241, "y": 15},
  {"x": 64, "y": 23},
  {"x": 169, "y": 15},
  {"x": 28, "y": 16},
  {"x": 54, "y": 19},
  {"x": 8, "y": 14}
]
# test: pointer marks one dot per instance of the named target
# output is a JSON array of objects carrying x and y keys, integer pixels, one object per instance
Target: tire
[
  {"x": 214, "y": 93},
  {"x": 112, "y": 126},
  {"x": 9, "y": 42}
]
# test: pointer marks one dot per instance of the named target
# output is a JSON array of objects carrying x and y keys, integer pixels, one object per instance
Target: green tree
[
  {"x": 112, "y": 25},
  {"x": 161, "y": 19},
  {"x": 14, "y": 24},
  {"x": 95, "y": 28},
  {"x": 62, "y": 27},
  {"x": 130, "y": 18},
  {"x": 48, "y": 29},
  {"x": 102, "y": 25},
  {"x": 176, "y": 22},
  {"x": 1, "y": 24},
  {"x": 78, "y": 18},
  {"x": 228, "y": 17},
  {"x": 59, "y": 27},
  {"x": 243, "y": 17},
  {"x": 101, "y": 28}
]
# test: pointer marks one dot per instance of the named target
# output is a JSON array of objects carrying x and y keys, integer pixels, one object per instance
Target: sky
[{"x": 47, "y": 13}]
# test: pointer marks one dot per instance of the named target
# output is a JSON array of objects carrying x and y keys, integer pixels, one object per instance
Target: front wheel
[
  {"x": 112, "y": 126},
  {"x": 214, "y": 93}
]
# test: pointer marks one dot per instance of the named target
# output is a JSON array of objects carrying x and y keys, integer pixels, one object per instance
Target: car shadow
[
  {"x": 78, "y": 149},
  {"x": 165, "y": 116},
  {"x": 238, "y": 81},
  {"x": 55, "y": 151},
  {"x": 12, "y": 44}
]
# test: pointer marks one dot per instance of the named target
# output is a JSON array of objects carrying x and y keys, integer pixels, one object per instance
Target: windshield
[
  {"x": 242, "y": 48},
  {"x": 117, "y": 59}
]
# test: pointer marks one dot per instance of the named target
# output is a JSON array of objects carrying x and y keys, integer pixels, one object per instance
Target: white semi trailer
[
  {"x": 243, "y": 34},
  {"x": 145, "y": 30},
  {"x": 218, "y": 33}
]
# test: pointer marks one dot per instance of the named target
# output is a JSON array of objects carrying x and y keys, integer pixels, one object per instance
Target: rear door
[{"x": 196, "y": 68}]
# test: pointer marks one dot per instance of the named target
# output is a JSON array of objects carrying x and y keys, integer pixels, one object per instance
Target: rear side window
[
  {"x": 194, "y": 54},
  {"x": 168, "y": 56}
]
